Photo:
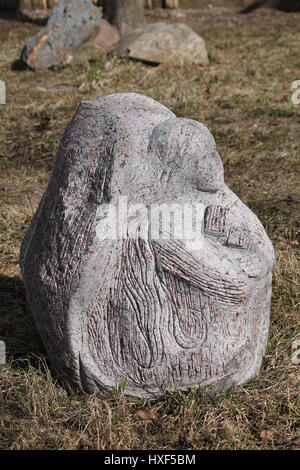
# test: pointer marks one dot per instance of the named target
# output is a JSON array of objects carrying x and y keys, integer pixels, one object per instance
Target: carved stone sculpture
[{"x": 140, "y": 301}]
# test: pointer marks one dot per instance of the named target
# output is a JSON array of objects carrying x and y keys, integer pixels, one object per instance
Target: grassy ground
[{"x": 244, "y": 98}]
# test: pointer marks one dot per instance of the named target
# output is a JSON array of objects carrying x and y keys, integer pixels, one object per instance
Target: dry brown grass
[{"x": 243, "y": 96}]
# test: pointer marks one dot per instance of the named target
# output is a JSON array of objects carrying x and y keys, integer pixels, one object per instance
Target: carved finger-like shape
[{"x": 206, "y": 271}]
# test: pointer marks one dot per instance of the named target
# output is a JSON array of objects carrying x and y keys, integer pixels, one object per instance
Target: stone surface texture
[
  {"x": 151, "y": 312},
  {"x": 164, "y": 43},
  {"x": 125, "y": 15},
  {"x": 108, "y": 36},
  {"x": 72, "y": 22}
]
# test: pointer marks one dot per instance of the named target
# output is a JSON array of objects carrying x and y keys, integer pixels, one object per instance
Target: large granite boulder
[
  {"x": 164, "y": 43},
  {"x": 140, "y": 264},
  {"x": 72, "y": 22}
]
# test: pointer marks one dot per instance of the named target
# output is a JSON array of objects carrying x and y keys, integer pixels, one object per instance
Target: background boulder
[
  {"x": 72, "y": 23},
  {"x": 161, "y": 42}
]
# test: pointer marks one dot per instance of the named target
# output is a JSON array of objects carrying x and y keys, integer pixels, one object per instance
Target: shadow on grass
[
  {"x": 19, "y": 65},
  {"x": 17, "y": 327}
]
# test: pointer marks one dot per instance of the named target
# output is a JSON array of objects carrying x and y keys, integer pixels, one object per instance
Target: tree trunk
[
  {"x": 162, "y": 3},
  {"x": 171, "y": 3},
  {"x": 124, "y": 14}
]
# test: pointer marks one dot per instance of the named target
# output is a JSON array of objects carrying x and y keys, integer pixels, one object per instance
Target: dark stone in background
[{"x": 72, "y": 23}]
